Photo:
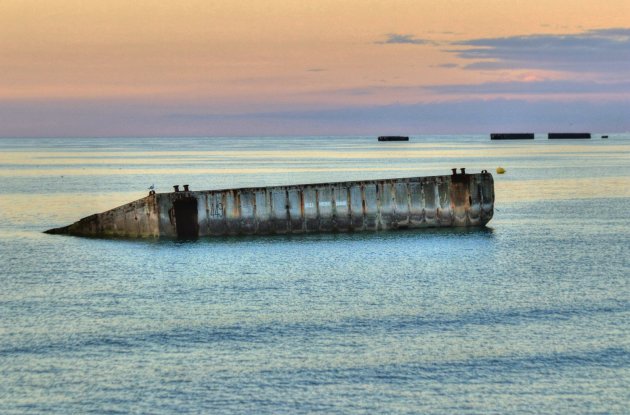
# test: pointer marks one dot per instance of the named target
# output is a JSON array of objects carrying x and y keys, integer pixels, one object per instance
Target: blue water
[{"x": 528, "y": 315}]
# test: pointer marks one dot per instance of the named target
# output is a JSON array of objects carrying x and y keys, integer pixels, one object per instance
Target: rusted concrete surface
[{"x": 415, "y": 202}]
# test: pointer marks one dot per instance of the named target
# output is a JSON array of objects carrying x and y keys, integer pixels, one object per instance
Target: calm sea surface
[{"x": 529, "y": 315}]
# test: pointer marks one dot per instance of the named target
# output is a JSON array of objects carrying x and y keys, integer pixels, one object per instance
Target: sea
[{"x": 529, "y": 315}]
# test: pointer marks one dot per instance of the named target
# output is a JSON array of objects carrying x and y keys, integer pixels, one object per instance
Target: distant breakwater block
[
  {"x": 512, "y": 136},
  {"x": 552, "y": 136},
  {"x": 456, "y": 200},
  {"x": 393, "y": 138}
]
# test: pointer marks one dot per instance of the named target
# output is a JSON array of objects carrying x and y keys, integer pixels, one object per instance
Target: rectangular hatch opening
[{"x": 186, "y": 219}]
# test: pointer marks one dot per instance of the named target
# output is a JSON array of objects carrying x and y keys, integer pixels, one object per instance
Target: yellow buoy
[{"x": 500, "y": 170}]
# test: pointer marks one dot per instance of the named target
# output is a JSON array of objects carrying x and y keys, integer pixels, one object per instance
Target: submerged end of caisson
[
  {"x": 137, "y": 219},
  {"x": 64, "y": 230}
]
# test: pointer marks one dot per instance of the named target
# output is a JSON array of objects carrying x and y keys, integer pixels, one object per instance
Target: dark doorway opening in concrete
[{"x": 186, "y": 218}]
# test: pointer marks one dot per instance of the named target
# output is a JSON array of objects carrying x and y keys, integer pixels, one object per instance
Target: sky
[{"x": 84, "y": 68}]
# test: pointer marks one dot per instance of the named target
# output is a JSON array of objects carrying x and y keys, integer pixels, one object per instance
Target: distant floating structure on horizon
[
  {"x": 552, "y": 136},
  {"x": 512, "y": 136},
  {"x": 604, "y": 136},
  {"x": 393, "y": 138}
]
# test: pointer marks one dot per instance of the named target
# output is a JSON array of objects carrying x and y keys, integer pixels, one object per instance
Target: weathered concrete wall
[
  {"x": 454, "y": 200},
  {"x": 138, "y": 219},
  {"x": 417, "y": 202}
]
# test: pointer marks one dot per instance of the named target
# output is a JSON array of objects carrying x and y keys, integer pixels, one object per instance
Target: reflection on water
[{"x": 561, "y": 189}]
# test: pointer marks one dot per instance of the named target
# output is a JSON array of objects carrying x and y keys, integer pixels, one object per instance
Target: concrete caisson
[{"x": 455, "y": 200}]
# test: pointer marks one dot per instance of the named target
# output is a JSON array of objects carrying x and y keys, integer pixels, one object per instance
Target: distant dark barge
[
  {"x": 570, "y": 136},
  {"x": 393, "y": 138},
  {"x": 512, "y": 136},
  {"x": 459, "y": 199}
]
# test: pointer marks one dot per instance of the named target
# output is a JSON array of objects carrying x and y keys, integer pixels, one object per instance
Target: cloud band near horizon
[
  {"x": 99, "y": 119},
  {"x": 603, "y": 50}
]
